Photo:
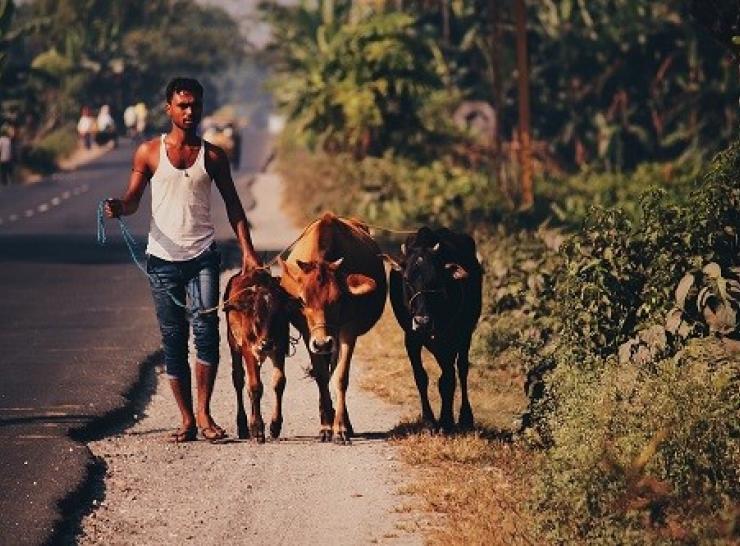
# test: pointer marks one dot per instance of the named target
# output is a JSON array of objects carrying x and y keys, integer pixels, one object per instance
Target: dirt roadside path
[{"x": 293, "y": 491}]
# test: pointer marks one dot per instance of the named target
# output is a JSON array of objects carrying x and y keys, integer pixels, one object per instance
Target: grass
[{"x": 473, "y": 487}]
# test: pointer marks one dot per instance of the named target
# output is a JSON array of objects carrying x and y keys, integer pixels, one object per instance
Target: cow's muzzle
[
  {"x": 321, "y": 346},
  {"x": 420, "y": 323}
]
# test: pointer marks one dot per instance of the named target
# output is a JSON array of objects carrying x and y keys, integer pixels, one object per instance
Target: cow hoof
[
  {"x": 258, "y": 433},
  {"x": 342, "y": 439},
  {"x": 429, "y": 425},
  {"x": 466, "y": 424},
  {"x": 242, "y": 432},
  {"x": 325, "y": 436},
  {"x": 275, "y": 428},
  {"x": 446, "y": 427}
]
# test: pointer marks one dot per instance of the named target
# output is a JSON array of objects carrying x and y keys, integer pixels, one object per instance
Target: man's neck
[{"x": 180, "y": 137}]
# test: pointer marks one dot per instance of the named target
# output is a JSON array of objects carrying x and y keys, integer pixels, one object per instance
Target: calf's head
[
  {"x": 321, "y": 288},
  {"x": 262, "y": 304},
  {"x": 428, "y": 283}
]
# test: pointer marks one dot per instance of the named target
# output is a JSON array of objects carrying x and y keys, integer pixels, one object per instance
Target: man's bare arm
[
  {"x": 141, "y": 173},
  {"x": 219, "y": 169}
]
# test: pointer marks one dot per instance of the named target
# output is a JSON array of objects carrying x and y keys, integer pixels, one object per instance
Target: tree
[{"x": 525, "y": 151}]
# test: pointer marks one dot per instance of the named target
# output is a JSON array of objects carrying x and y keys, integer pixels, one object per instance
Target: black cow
[{"x": 435, "y": 291}]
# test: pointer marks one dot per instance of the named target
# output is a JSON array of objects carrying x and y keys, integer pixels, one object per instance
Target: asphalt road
[{"x": 78, "y": 334}]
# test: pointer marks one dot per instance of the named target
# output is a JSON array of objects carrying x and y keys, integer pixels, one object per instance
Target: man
[
  {"x": 6, "y": 158},
  {"x": 183, "y": 263}
]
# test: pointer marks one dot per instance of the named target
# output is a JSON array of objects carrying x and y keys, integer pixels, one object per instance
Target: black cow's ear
[
  {"x": 395, "y": 266},
  {"x": 458, "y": 272}
]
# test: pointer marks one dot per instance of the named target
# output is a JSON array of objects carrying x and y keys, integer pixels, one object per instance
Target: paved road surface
[{"x": 77, "y": 326}]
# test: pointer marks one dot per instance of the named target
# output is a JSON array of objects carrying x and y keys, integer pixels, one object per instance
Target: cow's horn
[
  {"x": 403, "y": 248},
  {"x": 335, "y": 264},
  {"x": 435, "y": 248}
]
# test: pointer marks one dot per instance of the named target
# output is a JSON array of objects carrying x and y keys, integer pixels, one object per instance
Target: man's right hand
[{"x": 113, "y": 208}]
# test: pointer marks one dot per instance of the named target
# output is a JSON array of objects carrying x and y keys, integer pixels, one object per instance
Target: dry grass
[{"x": 473, "y": 488}]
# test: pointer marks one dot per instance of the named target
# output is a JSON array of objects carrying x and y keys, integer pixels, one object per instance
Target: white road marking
[{"x": 44, "y": 207}]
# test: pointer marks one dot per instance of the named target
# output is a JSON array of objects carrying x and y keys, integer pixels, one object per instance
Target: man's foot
[
  {"x": 213, "y": 433},
  {"x": 183, "y": 434}
]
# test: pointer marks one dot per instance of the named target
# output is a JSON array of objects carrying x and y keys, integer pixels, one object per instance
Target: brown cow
[
  {"x": 336, "y": 273},
  {"x": 256, "y": 310}
]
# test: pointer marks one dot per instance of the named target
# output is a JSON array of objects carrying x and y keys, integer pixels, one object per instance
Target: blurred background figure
[
  {"x": 86, "y": 127},
  {"x": 106, "y": 128},
  {"x": 6, "y": 157},
  {"x": 141, "y": 119},
  {"x": 129, "y": 120}
]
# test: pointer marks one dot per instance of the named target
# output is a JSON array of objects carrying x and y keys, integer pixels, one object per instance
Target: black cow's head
[{"x": 429, "y": 291}]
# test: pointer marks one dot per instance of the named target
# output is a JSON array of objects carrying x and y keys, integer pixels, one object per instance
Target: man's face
[{"x": 185, "y": 110}]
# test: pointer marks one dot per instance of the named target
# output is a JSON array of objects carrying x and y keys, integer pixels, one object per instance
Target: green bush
[
  {"x": 638, "y": 449},
  {"x": 390, "y": 191},
  {"x": 43, "y": 156}
]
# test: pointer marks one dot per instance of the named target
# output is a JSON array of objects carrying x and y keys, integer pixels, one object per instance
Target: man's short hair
[{"x": 177, "y": 85}]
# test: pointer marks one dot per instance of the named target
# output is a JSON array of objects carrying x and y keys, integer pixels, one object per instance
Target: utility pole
[
  {"x": 494, "y": 16},
  {"x": 525, "y": 145}
]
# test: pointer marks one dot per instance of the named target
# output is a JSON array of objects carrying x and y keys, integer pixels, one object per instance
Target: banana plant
[{"x": 711, "y": 296}]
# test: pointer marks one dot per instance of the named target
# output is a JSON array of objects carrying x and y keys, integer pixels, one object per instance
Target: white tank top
[{"x": 181, "y": 226}]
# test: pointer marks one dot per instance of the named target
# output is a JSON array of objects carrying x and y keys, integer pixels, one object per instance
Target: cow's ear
[
  {"x": 306, "y": 267},
  {"x": 395, "y": 266},
  {"x": 458, "y": 272},
  {"x": 359, "y": 285},
  {"x": 290, "y": 271}
]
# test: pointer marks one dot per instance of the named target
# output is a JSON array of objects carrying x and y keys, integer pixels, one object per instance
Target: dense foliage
[{"x": 71, "y": 53}]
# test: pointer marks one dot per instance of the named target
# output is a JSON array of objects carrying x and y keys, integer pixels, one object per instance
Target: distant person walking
[
  {"x": 142, "y": 115},
  {"x": 183, "y": 261},
  {"x": 106, "y": 127},
  {"x": 6, "y": 158},
  {"x": 129, "y": 120},
  {"x": 86, "y": 127}
]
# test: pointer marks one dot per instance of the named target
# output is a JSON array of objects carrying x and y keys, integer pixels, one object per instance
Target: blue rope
[{"x": 133, "y": 248}]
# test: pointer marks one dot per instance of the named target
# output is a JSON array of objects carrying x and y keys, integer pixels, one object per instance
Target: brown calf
[{"x": 257, "y": 328}]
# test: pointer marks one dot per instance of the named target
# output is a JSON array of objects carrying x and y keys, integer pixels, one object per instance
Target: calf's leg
[
  {"x": 278, "y": 384},
  {"x": 237, "y": 378},
  {"x": 256, "y": 424}
]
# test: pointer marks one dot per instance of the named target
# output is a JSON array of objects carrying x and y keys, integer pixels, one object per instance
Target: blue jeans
[{"x": 193, "y": 283}]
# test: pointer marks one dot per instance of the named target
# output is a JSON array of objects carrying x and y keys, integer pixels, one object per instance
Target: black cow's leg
[
  {"x": 446, "y": 386},
  {"x": 466, "y": 421},
  {"x": 237, "y": 378},
  {"x": 413, "y": 349}
]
